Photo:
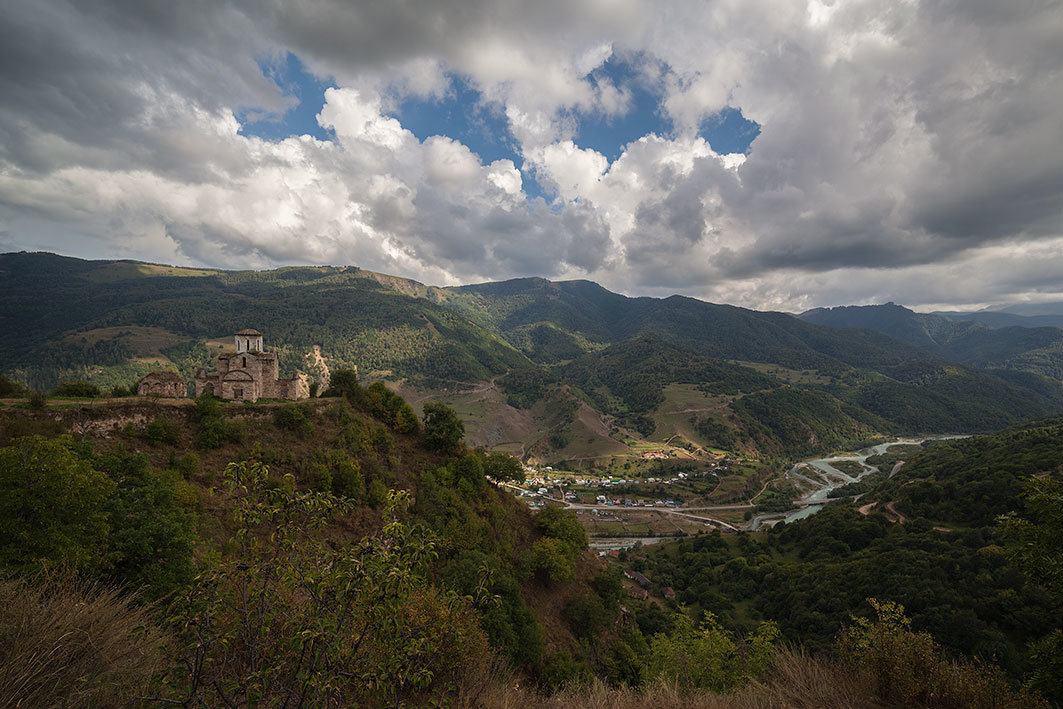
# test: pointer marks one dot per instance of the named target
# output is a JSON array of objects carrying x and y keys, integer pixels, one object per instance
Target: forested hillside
[
  {"x": 1014, "y": 344},
  {"x": 755, "y": 382},
  {"x": 67, "y": 318},
  {"x": 930, "y": 538}
]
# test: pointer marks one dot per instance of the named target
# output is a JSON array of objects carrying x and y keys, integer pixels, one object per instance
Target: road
[{"x": 675, "y": 511}]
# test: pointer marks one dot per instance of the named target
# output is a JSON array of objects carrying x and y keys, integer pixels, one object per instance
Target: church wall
[{"x": 262, "y": 368}]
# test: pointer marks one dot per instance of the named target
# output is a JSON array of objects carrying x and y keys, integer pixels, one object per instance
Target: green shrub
[
  {"x": 376, "y": 493},
  {"x": 587, "y": 616},
  {"x": 161, "y": 431},
  {"x": 317, "y": 476},
  {"x": 381, "y": 440},
  {"x": 188, "y": 465},
  {"x": 556, "y": 523},
  {"x": 562, "y": 671},
  {"x": 707, "y": 656},
  {"x": 907, "y": 668},
  {"x": 296, "y": 418},
  {"x": 53, "y": 506},
  {"x": 207, "y": 407},
  {"x": 12, "y": 389},
  {"x": 78, "y": 389}
]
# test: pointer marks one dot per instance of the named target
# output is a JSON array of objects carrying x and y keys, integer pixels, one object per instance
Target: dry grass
[
  {"x": 795, "y": 680},
  {"x": 69, "y": 645}
]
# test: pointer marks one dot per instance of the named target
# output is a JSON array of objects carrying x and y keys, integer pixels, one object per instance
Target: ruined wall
[{"x": 169, "y": 389}]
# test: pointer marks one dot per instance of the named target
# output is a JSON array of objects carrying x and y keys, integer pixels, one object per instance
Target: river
[{"x": 822, "y": 477}]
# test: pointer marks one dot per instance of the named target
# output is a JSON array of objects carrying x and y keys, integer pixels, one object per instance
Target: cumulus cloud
[{"x": 908, "y": 151}]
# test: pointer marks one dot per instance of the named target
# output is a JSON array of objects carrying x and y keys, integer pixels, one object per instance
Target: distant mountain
[
  {"x": 1001, "y": 318},
  {"x": 1035, "y": 309},
  {"x": 552, "y": 322},
  {"x": 1038, "y": 350},
  {"x": 561, "y": 369}
]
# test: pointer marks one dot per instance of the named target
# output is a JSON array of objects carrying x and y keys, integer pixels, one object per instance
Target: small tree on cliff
[{"x": 443, "y": 430}]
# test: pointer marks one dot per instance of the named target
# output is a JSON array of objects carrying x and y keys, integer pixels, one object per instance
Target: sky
[{"x": 773, "y": 154}]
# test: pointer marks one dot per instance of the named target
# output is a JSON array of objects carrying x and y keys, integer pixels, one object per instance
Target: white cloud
[{"x": 909, "y": 151}]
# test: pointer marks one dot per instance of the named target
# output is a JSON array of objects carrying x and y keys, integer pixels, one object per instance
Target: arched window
[{"x": 245, "y": 362}]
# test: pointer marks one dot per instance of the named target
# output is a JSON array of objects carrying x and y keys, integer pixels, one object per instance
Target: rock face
[
  {"x": 162, "y": 384},
  {"x": 249, "y": 373}
]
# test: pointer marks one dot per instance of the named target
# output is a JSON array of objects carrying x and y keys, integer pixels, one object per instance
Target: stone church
[{"x": 250, "y": 373}]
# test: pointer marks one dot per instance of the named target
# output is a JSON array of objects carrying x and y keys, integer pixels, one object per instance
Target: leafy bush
[
  {"x": 11, "y": 389},
  {"x": 391, "y": 408},
  {"x": 587, "y": 615},
  {"x": 503, "y": 467},
  {"x": 343, "y": 382},
  {"x": 708, "y": 657},
  {"x": 161, "y": 431},
  {"x": 556, "y": 523},
  {"x": 53, "y": 506},
  {"x": 296, "y": 418},
  {"x": 355, "y": 624},
  {"x": 78, "y": 389},
  {"x": 552, "y": 561},
  {"x": 207, "y": 407},
  {"x": 216, "y": 432},
  {"x": 908, "y": 669},
  {"x": 188, "y": 465},
  {"x": 564, "y": 671}
]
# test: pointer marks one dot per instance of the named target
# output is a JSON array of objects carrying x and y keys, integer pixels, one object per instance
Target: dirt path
[
  {"x": 893, "y": 510},
  {"x": 762, "y": 489},
  {"x": 865, "y": 510}
]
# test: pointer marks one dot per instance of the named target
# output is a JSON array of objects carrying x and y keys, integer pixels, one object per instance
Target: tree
[
  {"x": 152, "y": 539},
  {"x": 552, "y": 561},
  {"x": 443, "y": 430},
  {"x": 707, "y": 657},
  {"x": 53, "y": 505},
  {"x": 503, "y": 467},
  {"x": 1036, "y": 546},
  {"x": 343, "y": 382},
  {"x": 294, "y": 620},
  {"x": 556, "y": 523}
]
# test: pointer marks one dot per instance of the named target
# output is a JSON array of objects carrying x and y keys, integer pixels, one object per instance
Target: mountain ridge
[{"x": 112, "y": 321}]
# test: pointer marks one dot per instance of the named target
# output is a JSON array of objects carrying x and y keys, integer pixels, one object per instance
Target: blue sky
[
  {"x": 307, "y": 94},
  {"x": 464, "y": 114}
]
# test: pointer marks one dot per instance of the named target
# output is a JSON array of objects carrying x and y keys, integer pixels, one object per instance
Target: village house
[
  {"x": 250, "y": 373},
  {"x": 637, "y": 577},
  {"x": 162, "y": 384}
]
